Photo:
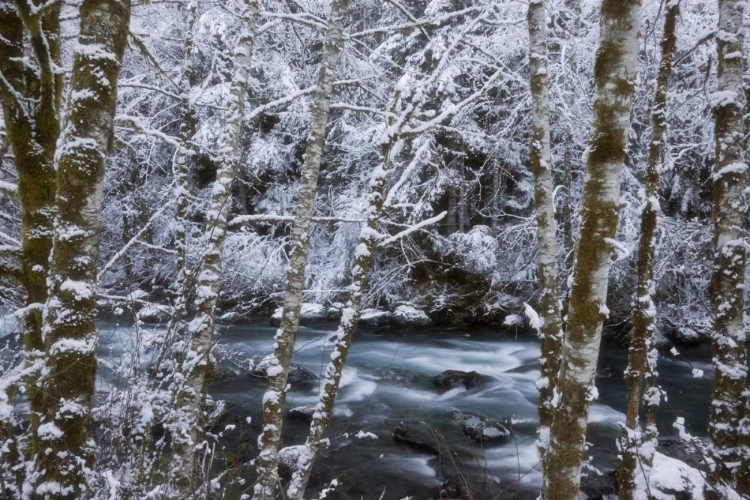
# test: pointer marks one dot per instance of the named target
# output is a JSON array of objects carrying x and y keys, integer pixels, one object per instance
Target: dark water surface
[{"x": 388, "y": 380}]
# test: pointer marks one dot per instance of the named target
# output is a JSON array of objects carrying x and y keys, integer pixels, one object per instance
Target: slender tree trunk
[
  {"x": 728, "y": 281},
  {"x": 463, "y": 195},
  {"x": 615, "y": 77},
  {"x": 743, "y": 474},
  {"x": 565, "y": 214},
  {"x": 181, "y": 169},
  {"x": 33, "y": 132},
  {"x": 363, "y": 259},
  {"x": 637, "y": 450},
  {"x": 364, "y": 256},
  {"x": 274, "y": 398},
  {"x": 187, "y": 429},
  {"x": 60, "y": 470},
  {"x": 540, "y": 164}
]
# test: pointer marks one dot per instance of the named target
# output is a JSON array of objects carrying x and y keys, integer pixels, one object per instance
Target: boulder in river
[
  {"x": 403, "y": 435},
  {"x": 153, "y": 314},
  {"x": 288, "y": 459},
  {"x": 481, "y": 429},
  {"x": 296, "y": 373},
  {"x": 451, "y": 379},
  {"x": 597, "y": 486},
  {"x": 408, "y": 315},
  {"x": 304, "y": 413},
  {"x": 310, "y": 313},
  {"x": 673, "y": 479}
]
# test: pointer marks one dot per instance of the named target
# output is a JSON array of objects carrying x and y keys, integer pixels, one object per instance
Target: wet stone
[{"x": 451, "y": 379}]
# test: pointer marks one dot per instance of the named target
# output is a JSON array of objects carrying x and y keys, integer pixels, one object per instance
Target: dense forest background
[
  {"x": 478, "y": 262},
  {"x": 159, "y": 165}
]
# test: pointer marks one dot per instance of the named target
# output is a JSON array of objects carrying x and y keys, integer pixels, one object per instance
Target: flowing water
[{"x": 388, "y": 380}]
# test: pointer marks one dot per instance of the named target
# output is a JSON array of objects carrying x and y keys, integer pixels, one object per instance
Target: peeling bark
[
  {"x": 540, "y": 163},
  {"x": 65, "y": 431},
  {"x": 615, "y": 77},
  {"x": 274, "y": 398},
  {"x": 638, "y": 449},
  {"x": 730, "y": 259}
]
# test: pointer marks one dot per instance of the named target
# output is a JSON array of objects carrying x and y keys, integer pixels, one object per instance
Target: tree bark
[
  {"x": 186, "y": 425},
  {"x": 65, "y": 431},
  {"x": 615, "y": 77},
  {"x": 728, "y": 280},
  {"x": 364, "y": 256},
  {"x": 32, "y": 131},
  {"x": 637, "y": 450},
  {"x": 540, "y": 163},
  {"x": 274, "y": 398}
]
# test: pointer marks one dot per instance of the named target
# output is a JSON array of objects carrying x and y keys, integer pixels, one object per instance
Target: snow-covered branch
[{"x": 416, "y": 227}]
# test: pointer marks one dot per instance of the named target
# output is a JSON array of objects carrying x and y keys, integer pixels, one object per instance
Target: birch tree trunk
[
  {"x": 364, "y": 256},
  {"x": 728, "y": 280},
  {"x": 615, "y": 77},
  {"x": 60, "y": 470},
  {"x": 186, "y": 426},
  {"x": 33, "y": 131},
  {"x": 637, "y": 450},
  {"x": 565, "y": 214},
  {"x": 275, "y": 396},
  {"x": 181, "y": 169},
  {"x": 540, "y": 164}
]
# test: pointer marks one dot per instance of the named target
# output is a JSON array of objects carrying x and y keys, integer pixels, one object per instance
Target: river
[{"x": 388, "y": 380}]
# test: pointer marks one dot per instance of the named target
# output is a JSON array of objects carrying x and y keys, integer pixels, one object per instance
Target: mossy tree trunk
[
  {"x": 615, "y": 77},
  {"x": 33, "y": 128},
  {"x": 728, "y": 280},
  {"x": 186, "y": 424},
  {"x": 275, "y": 396},
  {"x": 60, "y": 470},
  {"x": 637, "y": 449},
  {"x": 540, "y": 163}
]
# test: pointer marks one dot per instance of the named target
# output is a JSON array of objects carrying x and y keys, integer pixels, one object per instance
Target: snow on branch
[
  {"x": 414, "y": 228},
  {"x": 244, "y": 219},
  {"x": 416, "y": 24},
  {"x": 8, "y": 188},
  {"x": 134, "y": 239},
  {"x": 138, "y": 125}
]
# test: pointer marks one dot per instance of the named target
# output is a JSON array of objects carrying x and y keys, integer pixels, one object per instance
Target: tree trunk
[
  {"x": 728, "y": 280},
  {"x": 565, "y": 214},
  {"x": 364, "y": 256},
  {"x": 274, "y": 398},
  {"x": 33, "y": 139},
  {"x": 540, "y": 164},
  {"x": 615, "y": 77},
  {"x": 60, "y": 471},
  {"x": 187, "y": 427},
  {"x": 638, "y": 450}
]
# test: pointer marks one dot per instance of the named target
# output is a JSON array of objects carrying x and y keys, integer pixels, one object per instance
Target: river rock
[
  {"x": 450, "y": 379},
  {"x": 288, "y": 459},
  {"x": 481, "y": 429},
  {"x": 296, "y": 373},
  {"x": 304, "y": 413},
  {"x": 310, "y": 312},
  {"x": 672, "y": 479},
  {"x": 375, "y": 317},
  {"x": 408, "y": 315},
  {"x": 403, "y": 435},
  {"x": 597, "y": 487},
  {"x": 450, "y": 489},
  {"x": 691, "y": 454},
  {"x": 153, "y": 315}
]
